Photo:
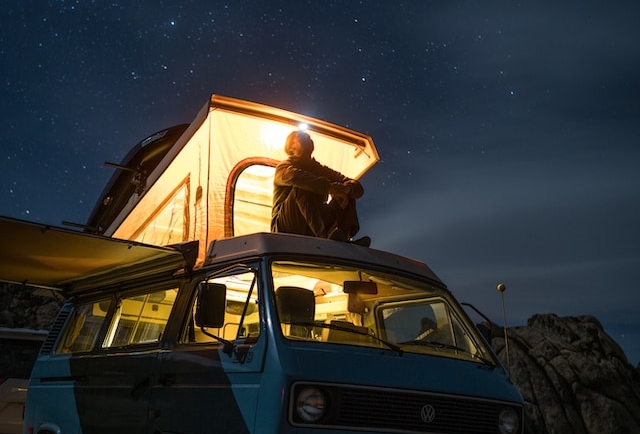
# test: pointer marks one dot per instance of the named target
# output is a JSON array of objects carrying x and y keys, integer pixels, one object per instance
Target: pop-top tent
[{"x": 213, "y": 178}]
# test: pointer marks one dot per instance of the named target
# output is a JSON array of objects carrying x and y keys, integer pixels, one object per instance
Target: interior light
[
  {"x": 272, "y": 136},
  {"x": 303, "y": 127}
]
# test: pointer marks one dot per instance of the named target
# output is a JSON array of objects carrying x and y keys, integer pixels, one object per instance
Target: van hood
[{"x": 386, "y": 368}]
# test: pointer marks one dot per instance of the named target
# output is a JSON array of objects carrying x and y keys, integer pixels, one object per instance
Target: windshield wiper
[
  {"x": 436, "y": 344},
  {"x": 391, "y": 345}
]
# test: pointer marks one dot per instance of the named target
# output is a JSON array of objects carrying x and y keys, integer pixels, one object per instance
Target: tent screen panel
[
  {"x": 169, "y": 222},
  {"x": 253, "y": 200}
]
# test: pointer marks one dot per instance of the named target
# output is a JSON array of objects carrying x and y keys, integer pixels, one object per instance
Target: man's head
[{"x": 299, "y": 144}]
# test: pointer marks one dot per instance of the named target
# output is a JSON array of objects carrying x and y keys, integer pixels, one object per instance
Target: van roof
[{"x": 236, "y": 248}]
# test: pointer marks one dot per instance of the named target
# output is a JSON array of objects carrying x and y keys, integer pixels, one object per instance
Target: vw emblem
[{"x": 427, "y": 413}]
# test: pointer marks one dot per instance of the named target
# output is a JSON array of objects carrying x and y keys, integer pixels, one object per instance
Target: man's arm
[
  {"x": 288, "y": 175},
  {"x": 347, "y": 186},
  {"x": 319, "y": 179}
]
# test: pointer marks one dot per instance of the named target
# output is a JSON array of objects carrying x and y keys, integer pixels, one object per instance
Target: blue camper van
[
  {"x": 233, "y": 329},
  {"x": 273, "y": 333}
]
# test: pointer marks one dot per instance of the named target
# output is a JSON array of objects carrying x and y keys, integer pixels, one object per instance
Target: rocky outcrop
[
  {"x": 20, "y": 308},
  {"x": 574, "y": 378}
]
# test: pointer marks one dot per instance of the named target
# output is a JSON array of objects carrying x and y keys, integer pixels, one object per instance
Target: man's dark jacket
[{"x": 309, "y": 179}]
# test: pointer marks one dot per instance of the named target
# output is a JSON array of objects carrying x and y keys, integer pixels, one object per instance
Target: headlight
[
  {"x": 508, "y": 422},
  {"x": 311, "y": 404}
]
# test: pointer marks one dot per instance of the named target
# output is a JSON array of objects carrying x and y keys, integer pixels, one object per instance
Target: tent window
[
  {"x": 252, "y": 198},
  {"x": 168, "y": 224}
]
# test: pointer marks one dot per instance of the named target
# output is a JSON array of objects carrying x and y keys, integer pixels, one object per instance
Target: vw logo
[{"x": 427, "y": 413}]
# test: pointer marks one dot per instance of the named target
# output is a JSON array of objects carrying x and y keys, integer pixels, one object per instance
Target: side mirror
[
  {"x": 212, "y": 301},
  {"x": 359, "y": 287}
]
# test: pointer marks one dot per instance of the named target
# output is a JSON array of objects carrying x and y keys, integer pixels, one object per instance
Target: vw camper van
[{"x": 183, "y": 314}]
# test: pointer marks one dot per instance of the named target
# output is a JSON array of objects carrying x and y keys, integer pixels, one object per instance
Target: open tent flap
[
  {"x": 38, "y": 255},
  {"x": 217, "y": 180}
]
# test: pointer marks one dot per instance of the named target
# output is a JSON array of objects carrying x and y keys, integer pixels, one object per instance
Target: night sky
[{"x": 509, "y": 132}]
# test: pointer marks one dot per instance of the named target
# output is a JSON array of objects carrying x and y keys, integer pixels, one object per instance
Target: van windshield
[{"x": 346, "y": 305}]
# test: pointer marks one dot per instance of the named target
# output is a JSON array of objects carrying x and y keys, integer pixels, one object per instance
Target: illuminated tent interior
[{"x": 215, "y": 179}]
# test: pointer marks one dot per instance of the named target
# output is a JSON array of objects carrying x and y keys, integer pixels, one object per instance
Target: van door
[
  {"x": 211, "y": 377},
  {"x": 114, "y": 395}
]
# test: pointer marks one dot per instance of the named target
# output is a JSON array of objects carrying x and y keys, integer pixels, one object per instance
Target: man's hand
[
  {"x": 340, "y": 193},
  {"x": 342, "y": 200}
]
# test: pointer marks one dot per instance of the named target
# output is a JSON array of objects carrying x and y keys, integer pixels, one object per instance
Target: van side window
[
  {"x": 241, "y": 312},
  {"x": 140, "y": 319},
  {"x": 82, "y": 327}
]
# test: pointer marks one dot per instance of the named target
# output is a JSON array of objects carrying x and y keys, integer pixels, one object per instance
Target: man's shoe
[{"x": 364, "y": 241}]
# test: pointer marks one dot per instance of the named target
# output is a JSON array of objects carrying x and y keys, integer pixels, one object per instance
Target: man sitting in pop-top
[{"x": 301, "y": 189}]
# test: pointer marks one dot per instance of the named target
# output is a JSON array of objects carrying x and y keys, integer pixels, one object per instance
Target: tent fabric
[
  {"x": 51, "y": 257},
  {"x": 187, "y": 192}
]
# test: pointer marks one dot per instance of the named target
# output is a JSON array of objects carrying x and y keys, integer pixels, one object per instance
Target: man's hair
[{"x": 303, "y": 137}]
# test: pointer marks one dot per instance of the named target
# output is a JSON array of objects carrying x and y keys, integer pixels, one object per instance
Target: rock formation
[
  {"x": 20, "y": 308},
  {"x": 574, "y": 378}
]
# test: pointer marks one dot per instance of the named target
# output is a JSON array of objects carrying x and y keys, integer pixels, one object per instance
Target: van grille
[{"x": 388, "y": 410}]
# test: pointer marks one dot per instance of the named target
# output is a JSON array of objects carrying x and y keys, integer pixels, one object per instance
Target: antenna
[{"x": 501, "y": 288}]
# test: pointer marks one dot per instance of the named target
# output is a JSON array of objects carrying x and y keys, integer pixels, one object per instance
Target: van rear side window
[
  {"x": 83, "y": 326},
  {"x": 140, "y": 319}
]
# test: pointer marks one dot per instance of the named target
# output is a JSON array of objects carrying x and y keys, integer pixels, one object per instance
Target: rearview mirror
[
  {"x": 359, "y": 287},
  {"x": 211, "y": 305}
]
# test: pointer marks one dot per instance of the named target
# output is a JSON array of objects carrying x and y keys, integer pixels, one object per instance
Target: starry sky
[{"x": 509, "y": 132}]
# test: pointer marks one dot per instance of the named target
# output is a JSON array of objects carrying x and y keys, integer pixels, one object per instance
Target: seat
[
  {"x": 296, "y": 305},
  {"x": 358, "y": 336},
  {"x": 427, "y": 327}
]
